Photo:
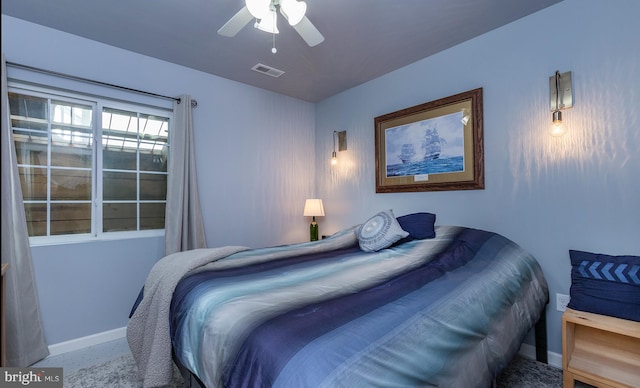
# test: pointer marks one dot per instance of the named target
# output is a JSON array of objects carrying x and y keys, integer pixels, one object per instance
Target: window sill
[{"x": 87, "y": 238}]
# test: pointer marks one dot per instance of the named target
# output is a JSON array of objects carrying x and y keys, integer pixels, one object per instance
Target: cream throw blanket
[{"x": 148, "y": 329}]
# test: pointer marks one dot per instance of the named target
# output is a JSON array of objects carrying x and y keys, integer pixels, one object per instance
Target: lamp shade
[{"x": 313, "y": 208}]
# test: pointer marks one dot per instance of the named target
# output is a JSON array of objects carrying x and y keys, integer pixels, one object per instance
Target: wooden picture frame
[{"x": 434, "y": 146}]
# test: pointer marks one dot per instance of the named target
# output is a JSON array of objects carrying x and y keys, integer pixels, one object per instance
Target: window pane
[
  {"x": 31, "y": 147},
  {"x": 31, "y": 109},
  {"x": 119, "y": 217},
  {"x": 21, "y": 123},
  {"x": 34, "y": 183},
  {"x": 119, "y": 186},
  {"x": 36, "y": 218},
  {"x": 72, "y": 115},
  {"x": 71, "y": 149},
  {"x": 153, "y": 157},
  {"x": 154, "y": 127},
  {"x": 117, "y": 159},
  {"x": 115, "y": 120},
  {"x": 153, "y": 187},
  {"x": 154, "y": 135},
  {"x": 70, "y": 184},
  {"x": 119, "y": 139},
  {"x": 70, "y": 218},
  {"x": 152, "y": 216}
]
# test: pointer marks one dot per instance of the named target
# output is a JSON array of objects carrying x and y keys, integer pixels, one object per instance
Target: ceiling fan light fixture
[
  {"x": 269, "y": 23},
  {"x": 265, "y": 14},
  {"x": 259, "y": 9},
  {"x": 293, "y": 10}
]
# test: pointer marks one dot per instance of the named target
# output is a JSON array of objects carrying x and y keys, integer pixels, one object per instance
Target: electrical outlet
[{"x": 562, "y": 301}]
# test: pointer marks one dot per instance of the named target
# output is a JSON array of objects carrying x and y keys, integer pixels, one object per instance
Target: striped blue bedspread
[{"x": 449, "y": 312}]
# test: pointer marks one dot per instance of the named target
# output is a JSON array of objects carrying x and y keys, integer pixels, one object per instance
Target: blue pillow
[
  {"x": 604, "y": 284},
  {"x": 419, "y": 225},
  {"x": 379, "y": 232}
]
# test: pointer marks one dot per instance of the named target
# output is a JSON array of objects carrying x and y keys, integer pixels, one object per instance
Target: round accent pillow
[{"x": 380, "y": 231}]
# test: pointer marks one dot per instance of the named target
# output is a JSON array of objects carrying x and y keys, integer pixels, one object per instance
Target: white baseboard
[
  {"x": 83, "y": 342},
  {"x": 529, "y": 351}
]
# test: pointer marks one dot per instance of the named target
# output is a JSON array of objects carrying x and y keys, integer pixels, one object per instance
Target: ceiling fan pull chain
[{"x": 274, "y": 49}]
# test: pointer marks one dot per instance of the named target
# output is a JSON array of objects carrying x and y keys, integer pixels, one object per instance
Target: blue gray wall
[
  {"x": 255, "y": 169},
  {"x": 548, "y": 194}
]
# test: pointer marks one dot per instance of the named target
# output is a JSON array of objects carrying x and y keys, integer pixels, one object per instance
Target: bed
[{"x": 449, "y": 310}]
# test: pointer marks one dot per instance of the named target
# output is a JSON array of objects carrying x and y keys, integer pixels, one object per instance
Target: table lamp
[{"x": 313, "y": 208}]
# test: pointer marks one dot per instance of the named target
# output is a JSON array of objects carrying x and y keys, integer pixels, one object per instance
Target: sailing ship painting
[
  {"x": 432, "y": 145},
  {"x": 408, "y": 153},
  {"x": 425, "y": 147}
]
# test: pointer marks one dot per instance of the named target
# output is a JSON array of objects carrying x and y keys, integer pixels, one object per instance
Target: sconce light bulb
[
  {"x": 334, "y": 158},
  {"x": 557, "y": 127}
]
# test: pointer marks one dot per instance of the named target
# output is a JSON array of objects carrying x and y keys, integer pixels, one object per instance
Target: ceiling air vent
[{"x": 264, "y": 69}]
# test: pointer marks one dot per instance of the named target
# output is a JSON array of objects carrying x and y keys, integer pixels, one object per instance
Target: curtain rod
[{"x": 194, "y": 103}]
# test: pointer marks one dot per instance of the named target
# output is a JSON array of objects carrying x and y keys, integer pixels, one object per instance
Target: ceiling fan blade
[
  {"x": 236, "y": 23},
  {"x": 309, "y": 32}
]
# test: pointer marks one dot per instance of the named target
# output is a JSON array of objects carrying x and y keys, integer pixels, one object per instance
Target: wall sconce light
[
  {"x": 560, "y": 97},
  {"x": 342, "y": 145},
  {"x": 312, "y": 208}
]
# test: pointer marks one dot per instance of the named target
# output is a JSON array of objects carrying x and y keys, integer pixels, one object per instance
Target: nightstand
[{"x": 600, "y": 350}]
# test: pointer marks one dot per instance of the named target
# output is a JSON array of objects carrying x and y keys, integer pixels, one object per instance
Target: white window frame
[{"x": 98, "y": 103}]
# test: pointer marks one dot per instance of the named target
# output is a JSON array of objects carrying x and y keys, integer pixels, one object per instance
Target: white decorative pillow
[{"x": 380, "y": 231}]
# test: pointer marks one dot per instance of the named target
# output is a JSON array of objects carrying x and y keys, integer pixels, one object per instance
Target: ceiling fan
[{"x": 265, "y": 12}]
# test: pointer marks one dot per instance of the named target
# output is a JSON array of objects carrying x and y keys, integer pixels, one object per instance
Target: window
[
  {"x": 134, "y": 170},
  {"x": 73, "y": 187}
]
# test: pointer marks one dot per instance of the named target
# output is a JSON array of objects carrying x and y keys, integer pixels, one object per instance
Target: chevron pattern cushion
[{"x": 604, "y": 284}]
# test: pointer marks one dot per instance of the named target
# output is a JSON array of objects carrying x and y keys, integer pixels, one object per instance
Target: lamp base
[{"x": 313, "y": 229}]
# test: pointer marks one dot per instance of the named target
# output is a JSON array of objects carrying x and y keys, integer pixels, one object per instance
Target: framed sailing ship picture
[{"x": 434, "y": 146}]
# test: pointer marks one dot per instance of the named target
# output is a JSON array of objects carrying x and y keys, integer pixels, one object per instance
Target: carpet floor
[{"x": 121, "y": 373}]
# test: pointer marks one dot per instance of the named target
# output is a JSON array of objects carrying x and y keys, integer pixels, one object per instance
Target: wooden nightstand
[{"x": 600, "y": 350}]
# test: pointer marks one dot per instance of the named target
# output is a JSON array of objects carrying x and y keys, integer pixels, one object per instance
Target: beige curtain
[
  {"x": 184, "y": 228},
  {"x": 24, "y": 336}
]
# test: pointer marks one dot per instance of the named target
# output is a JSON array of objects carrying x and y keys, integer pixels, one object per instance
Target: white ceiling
[{"x": 364, "y": 39}]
